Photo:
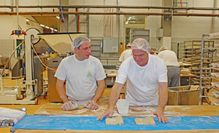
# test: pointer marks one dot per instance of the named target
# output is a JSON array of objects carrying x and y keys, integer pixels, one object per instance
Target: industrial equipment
[{"x": 9, "y": 96}]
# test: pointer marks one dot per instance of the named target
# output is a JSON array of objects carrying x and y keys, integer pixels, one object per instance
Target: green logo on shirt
[{"x": 89, "y": 74}]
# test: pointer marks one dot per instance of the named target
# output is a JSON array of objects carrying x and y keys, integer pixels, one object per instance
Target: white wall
[
  {"x": 192, "y": 28},
  {"x": 154, "y": 23},
  {"x": 10, "y": 23},
  {"x": 183, "y": 28},
  {"x": 101, "y": 26},
  {"x": 5, "y": 2}
]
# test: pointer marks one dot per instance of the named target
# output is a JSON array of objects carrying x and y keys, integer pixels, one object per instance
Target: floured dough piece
[
  {"x": 116, "y": 120},
  {"x": 145, "y": 121},
  {"x": 138, "y": 109},
  {"x": 70, "y": 105}
]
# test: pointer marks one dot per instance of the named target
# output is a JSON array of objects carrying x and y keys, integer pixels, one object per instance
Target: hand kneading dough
[
  {"x": 116, "y": 120},
  {"x": 145, "y": 121}
]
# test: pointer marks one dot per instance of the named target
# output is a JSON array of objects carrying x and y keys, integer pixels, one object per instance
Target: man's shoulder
[
  {"x": 66, "y": 59},
  {"x": 94, "y": 59},
  {"x": 129, "y": 61}
]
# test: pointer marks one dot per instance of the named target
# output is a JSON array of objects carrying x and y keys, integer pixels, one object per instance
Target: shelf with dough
[{"x": 214, "y": 93}]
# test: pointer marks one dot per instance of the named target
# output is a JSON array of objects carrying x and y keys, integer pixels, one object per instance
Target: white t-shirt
[
  {"x": 81, "y": 77},
  {"x": 125, "y": 54},
  {"x": 142, "y": 82},
  {"x": 169, "y": 57}
]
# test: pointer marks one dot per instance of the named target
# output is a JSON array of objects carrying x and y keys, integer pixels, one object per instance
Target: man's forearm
[
  {"x": 161, "y": 106},
  {"x": 162, "y": 101},
  {"x": 99, "y": 91},
  {"x": 64, "y": 98},
  {"x": 163, "y": 96},
  {"x": 60, "y": 87},
  {"x": 114, "y": 95}
]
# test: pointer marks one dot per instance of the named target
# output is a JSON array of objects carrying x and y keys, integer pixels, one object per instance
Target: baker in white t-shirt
[
  {"x": 173, "y": 70},
  {"x": 146, "y": 80},
  {"x": 84, "y": 77}
]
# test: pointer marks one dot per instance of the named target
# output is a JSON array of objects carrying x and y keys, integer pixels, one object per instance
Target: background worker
[
  {"x": 146, "y": 80},
  {"x": 126, "y": 53},
  {"x": 84, "y": 76},
  {"x": 153, "y": 51},
  {"x": 173, "y": 69}
]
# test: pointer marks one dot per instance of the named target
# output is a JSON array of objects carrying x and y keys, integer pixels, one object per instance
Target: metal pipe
[
  {"x": 212, "y": 29},
  {"x": 114, "y": 6},
  {"x": 201, "y": 93},
  {"x": 17, "y": 12},
  {"x": 110, "y": 13},
  {"x": 77, "y": 21},
  {"x": 88, "y": 23},
  {"x": 118, "y": 24}
]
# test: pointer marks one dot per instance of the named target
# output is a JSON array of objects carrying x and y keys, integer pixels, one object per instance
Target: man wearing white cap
[
  {"x": 84, "y": 76},
  {"x": 173, "y": 69},
  {"x": 125, "y": 54},
  {"x": 146, "y": 80}
]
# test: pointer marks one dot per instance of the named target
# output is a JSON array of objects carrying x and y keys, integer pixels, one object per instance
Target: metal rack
[
  {"x": 200, "y": 55},
  {"x": 209, "y": 50},
  {"x": 213, "y": 95}
]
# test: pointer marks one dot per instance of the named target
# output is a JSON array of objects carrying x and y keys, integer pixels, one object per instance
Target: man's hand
[
  {"x": 160, "y": 115},
  {"x": 69, "y": 105},
  {"x": 92, "y": 105},
  {"x": 107, "y": 113}
]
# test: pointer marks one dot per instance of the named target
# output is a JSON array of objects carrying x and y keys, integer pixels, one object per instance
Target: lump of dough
[
  {"x": 116, "y": 120},
  {"x": 144, "y": 121}
]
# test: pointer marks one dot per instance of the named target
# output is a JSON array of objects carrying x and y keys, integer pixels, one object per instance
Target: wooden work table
[
  {"x": 192, "y": 110},
  {"x": 54, "y": 109}
]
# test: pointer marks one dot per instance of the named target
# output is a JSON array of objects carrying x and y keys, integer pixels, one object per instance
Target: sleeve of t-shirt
[
  {"x": 162, "y": 71},
  {"x": 61, "y": 71},
  {"x": 122, "y": 73},
  {"x": 100, "y": 73}
]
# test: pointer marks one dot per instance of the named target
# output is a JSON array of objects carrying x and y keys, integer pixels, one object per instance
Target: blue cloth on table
[{"x": 42, "y": 122}]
